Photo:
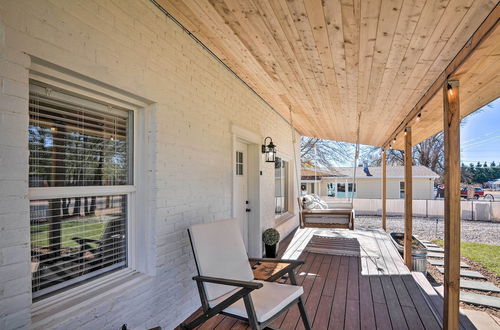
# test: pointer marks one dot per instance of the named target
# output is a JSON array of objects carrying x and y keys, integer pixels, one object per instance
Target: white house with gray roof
[{"x": 339, "y": 182}]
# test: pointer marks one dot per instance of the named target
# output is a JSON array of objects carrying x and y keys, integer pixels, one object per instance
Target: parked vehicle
[{"x": 478, "y": 192}]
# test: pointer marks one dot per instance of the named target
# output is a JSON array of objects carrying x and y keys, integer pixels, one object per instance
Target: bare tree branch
[
  {"x": 325, "y": 153},
  {"x": 429, "y": 153}
]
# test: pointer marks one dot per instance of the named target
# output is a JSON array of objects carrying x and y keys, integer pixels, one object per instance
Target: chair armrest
[
  {"x": 225, "y": 281},
  {"x": 81, "y": 240}
]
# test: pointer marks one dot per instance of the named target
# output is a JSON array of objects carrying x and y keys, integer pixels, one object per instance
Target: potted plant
[{"x": 271, "y": 237}]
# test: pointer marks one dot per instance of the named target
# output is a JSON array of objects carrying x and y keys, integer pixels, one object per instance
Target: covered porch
[
  {"x": 164, "y": 106},
  {"x": 374, "y": 290}
]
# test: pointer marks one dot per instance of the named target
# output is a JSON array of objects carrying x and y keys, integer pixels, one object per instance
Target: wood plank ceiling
[
  {"x": 342, "y": 64},
  {"x": 479, "y": 78}
]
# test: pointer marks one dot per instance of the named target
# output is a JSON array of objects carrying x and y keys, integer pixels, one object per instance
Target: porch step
[
  {"x": 434, "y": 249},
  {"x": 440, "y": 262},
  {"x": 479, "y": 299},
  {"x": 435, "y": 254},
  {"x": 478, "y": 285},
  {"x": 482, "y": 320},
  {"x": 431, "y": 245},
  {"x": 465, "y": 272}
]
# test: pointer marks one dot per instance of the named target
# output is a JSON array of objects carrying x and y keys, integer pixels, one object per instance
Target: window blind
[
  {"x": 77, "y": 142},
  {"x": 73, "y": 239}
]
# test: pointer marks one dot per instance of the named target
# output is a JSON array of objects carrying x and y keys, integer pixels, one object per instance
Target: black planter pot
[{"x": 271, "y": 250}]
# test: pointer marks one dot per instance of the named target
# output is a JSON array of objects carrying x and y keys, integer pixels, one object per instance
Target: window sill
[
  {"x": 84, "y": 297},
  {"x": 283, "y": 218}
]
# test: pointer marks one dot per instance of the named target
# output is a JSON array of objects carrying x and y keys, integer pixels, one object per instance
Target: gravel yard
[{"x": 425, "y": 228}]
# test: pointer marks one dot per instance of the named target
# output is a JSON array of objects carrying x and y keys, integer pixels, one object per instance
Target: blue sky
[{"x": 480, "y": 135}]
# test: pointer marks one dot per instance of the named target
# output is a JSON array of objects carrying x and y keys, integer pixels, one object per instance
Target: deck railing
[{"x": 481, "y": 210}]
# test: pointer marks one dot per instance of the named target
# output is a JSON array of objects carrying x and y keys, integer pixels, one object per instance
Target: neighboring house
[
  {"x": 339, "y": 182},
  {"x": 495, "y": 184}
]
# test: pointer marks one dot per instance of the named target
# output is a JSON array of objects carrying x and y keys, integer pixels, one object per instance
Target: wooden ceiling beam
[{"x": 474, "y": 41}]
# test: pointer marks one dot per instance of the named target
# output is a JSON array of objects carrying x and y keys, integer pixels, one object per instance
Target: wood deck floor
[{"x": 374, "y": 291}]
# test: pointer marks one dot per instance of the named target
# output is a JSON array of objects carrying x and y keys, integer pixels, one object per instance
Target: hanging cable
[
  {"x": 356, "y": 156},
  {"x": 315, "y": 168},
  {"x": 297, "y": 168}
]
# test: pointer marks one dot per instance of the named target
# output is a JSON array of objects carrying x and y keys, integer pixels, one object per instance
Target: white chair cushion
[
  {"x": 220, "y": 252},
  {"x": 306, "y": 201},
  {"x": 268, "y": 300},
  {"x": 315, "y": 206},
  {"x": 318, "y": 200},
  {"x": 324, "y": 205}
]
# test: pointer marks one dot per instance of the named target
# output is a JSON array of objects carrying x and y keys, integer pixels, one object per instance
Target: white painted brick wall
[
  {"x": 129, "y": 44},
  {"x": 15, "y": 293}
]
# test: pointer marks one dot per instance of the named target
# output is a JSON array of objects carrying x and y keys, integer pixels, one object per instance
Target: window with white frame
[
  {"x": 401, "y": 189},
  {"x": 347, "y": 189},
  {"x": 351, "y": 189},
  {"x": 81, "y": 182},
  {"x": 341, "y": 189},
  {"x": 281, "y": 183},
  {"x": 330, "y": 188}
]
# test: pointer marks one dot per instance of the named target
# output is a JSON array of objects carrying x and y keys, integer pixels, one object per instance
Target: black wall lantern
[{"x": 269, "y": 150}]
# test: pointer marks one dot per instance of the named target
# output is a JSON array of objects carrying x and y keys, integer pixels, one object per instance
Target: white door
[{"x": 242, "y": 205}]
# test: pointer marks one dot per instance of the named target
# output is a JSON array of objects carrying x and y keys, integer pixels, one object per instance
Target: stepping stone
[
  {"x": 465, "y": 272},
  {"x": 440, "y": 262},
  {"x": 481, "y": 320},
  {"x": 435, "y": 254},
  {"x": 435, "y": 249},
  {"x": 432, "y": 245},
  {"x": 477, "y": 285},
  {"x": 480, "y": 299}
]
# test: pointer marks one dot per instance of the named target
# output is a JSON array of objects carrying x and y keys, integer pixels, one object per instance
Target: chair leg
[
  {"x": 303, "y": 314},
  {"x": 252, "y": 316},
  {"x": 198, "y": 321}
]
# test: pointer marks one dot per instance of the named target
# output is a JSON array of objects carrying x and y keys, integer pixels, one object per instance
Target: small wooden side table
[{"x": 264, "y": 270}]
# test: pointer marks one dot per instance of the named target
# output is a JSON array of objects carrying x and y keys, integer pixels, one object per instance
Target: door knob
[{"x": 247, "y": 210}]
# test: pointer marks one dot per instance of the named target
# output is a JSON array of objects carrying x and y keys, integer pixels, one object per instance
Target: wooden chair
[
  {"x": 226, "y": 283},
  {"x": 338, "y": 216},
  {"x": 95, "y": 254}
]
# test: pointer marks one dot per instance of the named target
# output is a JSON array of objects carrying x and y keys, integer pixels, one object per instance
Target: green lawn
[
  {"x": 70, "y": 229},
  {"x": 488, "y": 255}
]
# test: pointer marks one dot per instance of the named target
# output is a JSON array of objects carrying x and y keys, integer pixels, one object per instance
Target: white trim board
[
  {"x": 253, "y": 141},
  {"x": 246, "y": 135}
]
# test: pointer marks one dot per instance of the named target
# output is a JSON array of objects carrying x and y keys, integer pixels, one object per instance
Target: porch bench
[{"x": 328, "y": 218}]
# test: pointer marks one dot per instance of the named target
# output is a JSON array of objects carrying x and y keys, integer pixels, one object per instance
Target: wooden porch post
[
  {"x": 384, "y": 190},
  {"x": 408, "y": 199},
  {"x": 451, "y": 105}
]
